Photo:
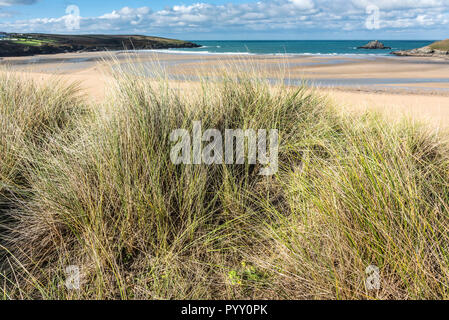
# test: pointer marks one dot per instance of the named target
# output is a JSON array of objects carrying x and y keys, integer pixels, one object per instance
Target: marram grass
[{"x": 93, "y": 186}]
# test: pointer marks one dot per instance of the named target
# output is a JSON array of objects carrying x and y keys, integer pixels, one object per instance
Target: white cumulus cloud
[{"x": 270, "y": 15}]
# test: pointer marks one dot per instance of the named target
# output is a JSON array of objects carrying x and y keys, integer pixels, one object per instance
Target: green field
[{"x": 32, "y": 42}]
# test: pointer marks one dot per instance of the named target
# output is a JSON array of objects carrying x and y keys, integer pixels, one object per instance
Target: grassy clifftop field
[
  {"x": 440, "y": 45},
  {"x": 92, "y": 185},
  {"x": 14, "y": 44}
]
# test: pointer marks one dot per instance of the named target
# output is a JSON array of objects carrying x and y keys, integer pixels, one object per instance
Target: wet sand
[{"x": 396, "y": 86}]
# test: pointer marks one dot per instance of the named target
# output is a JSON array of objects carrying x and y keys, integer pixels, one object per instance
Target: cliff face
[
  {"x": 32, "y": 44},
  {"x": 436, "y": 49}
]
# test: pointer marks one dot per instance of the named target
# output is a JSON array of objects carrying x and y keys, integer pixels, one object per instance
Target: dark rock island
[
  {"x": 374, "y": 45},
  {"x": 28, "y": 44},
  {"x": 436, "y": 49}
]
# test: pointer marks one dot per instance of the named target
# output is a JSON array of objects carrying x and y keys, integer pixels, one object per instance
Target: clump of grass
[
  {"x": 30, "y": 115},
  {"x": 350, "y": 192},
  {"x": 374, "y": 195}
]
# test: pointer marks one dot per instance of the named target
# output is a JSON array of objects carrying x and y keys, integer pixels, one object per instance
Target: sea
[{"x": 298, "y": 47}]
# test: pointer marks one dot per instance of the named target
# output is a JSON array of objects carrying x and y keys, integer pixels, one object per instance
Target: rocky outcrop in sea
[{"x": 374, "y": 45}]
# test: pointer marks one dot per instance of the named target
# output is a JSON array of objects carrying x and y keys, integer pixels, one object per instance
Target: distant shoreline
[
  {"x": 374, "y": 73},
  {"x": 98, "y": 43},
  {"x": 298, "y": 47},
  {"x": 366, "y": 82}
]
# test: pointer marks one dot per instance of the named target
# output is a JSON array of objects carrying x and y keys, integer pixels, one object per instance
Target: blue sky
[{"x": 231, "y": 19}]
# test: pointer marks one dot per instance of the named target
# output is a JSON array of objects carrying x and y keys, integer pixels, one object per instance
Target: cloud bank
[{"x": 265, "y": 15}]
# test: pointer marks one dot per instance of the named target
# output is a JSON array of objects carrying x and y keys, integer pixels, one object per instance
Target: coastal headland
[
  {"x": 29, "y": 44},
  {"x": 437, "y": 49}
]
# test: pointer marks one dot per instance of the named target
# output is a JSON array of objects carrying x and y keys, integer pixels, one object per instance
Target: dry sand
[
  {"x": 429, "y": 108},
  {"x": 420, "y": 99}
]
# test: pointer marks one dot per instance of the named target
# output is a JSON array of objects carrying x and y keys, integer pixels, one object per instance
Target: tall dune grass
[
  {"x": 102, "y": 193},
  {"x": 30, "y": 115}
]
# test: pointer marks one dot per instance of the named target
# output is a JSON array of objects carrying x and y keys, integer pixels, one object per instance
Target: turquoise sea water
[{"x": 302, "y": 47}]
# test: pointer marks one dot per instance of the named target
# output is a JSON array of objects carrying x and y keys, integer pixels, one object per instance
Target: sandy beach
[{"x": 396, "y": 86}]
